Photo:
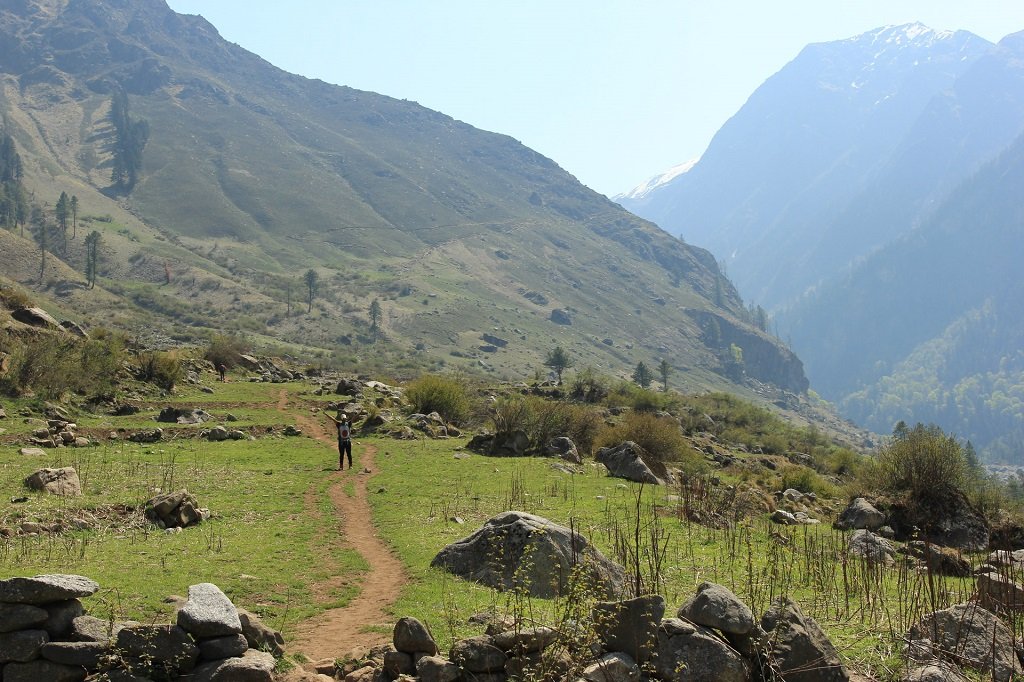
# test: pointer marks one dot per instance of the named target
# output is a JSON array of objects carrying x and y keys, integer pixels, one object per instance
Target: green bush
[
  {"x": 510, "y": 413},
  {"x": 53, "y": 364},
  {"x": 587, "y": 386},
  {"x": 161, "y": 368},
  {"x": 805, "y": 480},
  {"x": 225, "y": 349},
  {"x": 923, "y": 463},
  {"x": 442, "y": 394},
  {"x": 542, "y": 420},
  {"x": 660, "y": 437}
]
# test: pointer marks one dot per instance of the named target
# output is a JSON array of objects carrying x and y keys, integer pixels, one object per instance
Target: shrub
[
  {"x": 160, "y": 368},
  {"x": 52, "y": 364},
  {"x": 660, "y": 437},
  {"x": 510, "y": 414},
  {"x": 588, "y": 387},
  {"x": 225, "y": 349},
  {"x": 442, "y": 394},
  {"x": 923, "y": 463},
  {"x": 805, "y": 480},
  {"x": 13, "y": 299},
  {"x": 641, "y": 399}
]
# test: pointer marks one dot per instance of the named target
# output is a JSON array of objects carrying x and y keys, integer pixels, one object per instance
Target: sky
[{"x": 615, "y": 91}]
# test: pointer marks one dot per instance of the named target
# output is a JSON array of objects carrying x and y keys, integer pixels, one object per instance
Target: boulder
[
  {"x": 85, "y": 654},
  {"x": 216, "y": 648},
  {"x": 951, "y": 522},
  {"x": 563, "y": 448},
  {"x": 167, "y": 644},
  {"x": 783, "y": 518},
  {"x": 478, "y": 655},
  {"x": 561, "y": 316},
  {"x": 516, "y": 549},
  {"x": 178, "y": 509},
  {"x": 999, "y": 592},
  {"x": 148, "y": 436},
  {"x": 22, "y": 646},
  {"x": 694, "y": 653},
  {"x": 398, "y": 663},
  {"x": 934, "y": 672},
  {"x": 860, "y": 514},
  {"x": 32, "y": 452},
  {"x": 874, "y": 548},
  {"x": 46, "y": 589},
  {"x": 543, "y": 667},
  {"x": 60, "y": 616},
  {"x": 799, "y": 648},
  {"x": 208, "y": 613},
  {"x": 629, "y": 626},
  {"x": 20, "y": 617},
  {"x": 971, "y": 636},
  {"x": 253, "y": 666},
  {"x": 1010, "y": 559},
  {"x": 939, "y": 560},
  {"x": 92, "y": 629},
  {"x": 626, "y": 461},
  {"x": 435, "y": 669},
  {"x": 715, "y": 606},
  {"x": 351, "y": 387},
  {"x": 412, "y": 637},
  {"x": 515, "y": 641},
  {"x": 38, "y": 671},
  {"x": 614, "y": 667},
  {"x": 509, "y": 444},
  {"x": 260, "y": 636},
  {"x": 63, "y": 482},
  {"x": 35, "y": 317}
]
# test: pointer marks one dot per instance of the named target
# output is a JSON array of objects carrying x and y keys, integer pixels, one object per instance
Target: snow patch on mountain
[{"x": 642, "y": 190}]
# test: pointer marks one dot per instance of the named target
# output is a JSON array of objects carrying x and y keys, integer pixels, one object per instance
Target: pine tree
[
  {"x": 664, "y": 370},
  {"x": 312, "y": 280},
  {"x": 376, "y": 314},
  {"x": 92, "y": 243},
  {"x": 642, "y": 375}
]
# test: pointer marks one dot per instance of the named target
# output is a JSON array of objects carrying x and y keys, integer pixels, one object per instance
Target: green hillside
[{"x": 249, "y": 177}]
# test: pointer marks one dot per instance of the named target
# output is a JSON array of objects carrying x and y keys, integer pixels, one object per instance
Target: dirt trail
[{"x": 337, "y": 631}]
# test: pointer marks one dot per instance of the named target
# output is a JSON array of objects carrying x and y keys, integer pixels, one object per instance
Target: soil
[{"x": 366, "y": 621}]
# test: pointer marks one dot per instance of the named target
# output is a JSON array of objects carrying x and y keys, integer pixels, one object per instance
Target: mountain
[
  {"x": 233, "y": 178},
  {"x": 930, "y": 328},
  {"x": 832, "y": 156}
]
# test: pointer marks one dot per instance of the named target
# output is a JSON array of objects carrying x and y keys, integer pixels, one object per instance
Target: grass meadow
[{"x": 273, "y": 538}]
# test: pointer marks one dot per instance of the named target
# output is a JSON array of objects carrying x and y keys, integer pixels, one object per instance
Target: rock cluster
[
  {"x": 179, "y": 509},
  {"x": 45, "y": 634},
  {"x": 57, "y": 433}
]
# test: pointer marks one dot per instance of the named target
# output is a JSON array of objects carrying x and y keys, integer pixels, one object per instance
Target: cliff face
[{"x": 764, "y": 358}]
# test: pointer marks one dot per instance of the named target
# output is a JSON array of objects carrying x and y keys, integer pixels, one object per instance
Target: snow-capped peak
[
  {"x": 642, "y": 190},
  {"x": 904, "y": 34}
]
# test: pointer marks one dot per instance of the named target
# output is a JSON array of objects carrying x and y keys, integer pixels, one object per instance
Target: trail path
[{"x": 337, "y": 631}]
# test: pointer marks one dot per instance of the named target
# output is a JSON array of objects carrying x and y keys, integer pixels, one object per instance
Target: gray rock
[
  {"x": 478, "y": 655},
  {"x": 148, "y": 436},
  {"x": 253, "y": 666},
  {"x": 626, "y": 461},
  {"x": 516, "y": 549},
  {"x": 560, "y": 316},
  {"x": 524, "y": 641},
  {"x": 86, "y": 654},
  {"x": 940, "y": 560},
  {"x": 784, "y": 518},
  {"x": 544, "y": 667},
  {"x": 694, "y": 653},
  {"x": 1002, "y": 557},
  {"x": 412, "y": 637},
  {"x": 22, "y": 646},
  {"x": 20, "y": 617},
  {"x": 217, "y": 433},
  {"x": 63, "y": 481},
  {"x": 875, "y": 549},
  {"x": 92, "y": 629},
  {"x": 216, "y": 648},
  {"x": 860, "y": 514},
  {"x": 435, "y": 669},
  {"x": 564, "y": 448},
  {"x": 934, "y": 672},
  {"x": 208, "y": 613},
  {"x": 168, "y": 644},
  {"x": 800, "y": 650},
  {"x": 629, "y": 626},
  {"x": 260, "y": 636},
  {"x": 35, "y": 317},
  {"x": 398, "y": 663},
  {"x": 46, "y": 589},
  {"x": 60, "y": 616},
  {"x": 43, "y": 671},
  {"x": 32, "y": 452},
  {"x": 975, "y": 638},
  {"x": 614, "y": 667},
  {"x": 715, "y": 606}
]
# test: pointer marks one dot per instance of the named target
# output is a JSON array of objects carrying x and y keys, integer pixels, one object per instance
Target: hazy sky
[{"x": 614, "y": 91}]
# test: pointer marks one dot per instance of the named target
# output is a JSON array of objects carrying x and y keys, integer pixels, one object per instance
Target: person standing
[{"x": 344, "y": 428}]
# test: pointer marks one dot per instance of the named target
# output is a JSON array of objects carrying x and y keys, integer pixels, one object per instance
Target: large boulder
[
  {"x": 35, "y": 317},
  {"x": 22, "y": 646},
  {"x": 40, "y": 670},
  {"x": 951, "y": 522},
  {"x": 46, "y": 589},
  {"x": 694, "y": 653},
  {"x": 613, "y": 667},
  {"x": 630, "y": 626},
  {"x": 259, "y": 635},
  {"x": 252, "y": 666},
  {"x": 971, "y": 636},
  {"x": 860, "y": 514},
  {"x": 478, "y": 655},
  {"x": 873, "y": 548},
  {"x": 516, "y": 549},
  {"x": 626, "y": 461},
  {"x": 208, "y": 613},
  {"x": 715, "y": 606},
  {"x": 563, "y": 447},
  {"x": 168, "y": 646},
  {"x": 799, "y": 649},
  {"x": 936, "y": 559},
  {"x": 412, "y": 637},
  {"x": 63, "y": 481}
]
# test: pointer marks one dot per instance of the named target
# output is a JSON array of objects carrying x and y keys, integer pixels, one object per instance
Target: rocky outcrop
[
  {"x": 626, "y": 460},
  {"x": 179, "y": 509},
  {"x": 798, "y": 648},
  {"x": 971, "y": 636},
  {"x": 516, "y": 549}
]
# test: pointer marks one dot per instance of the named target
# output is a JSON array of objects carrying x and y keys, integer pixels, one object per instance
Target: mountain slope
[
  {"x": 250, "y": 176},
  {"x": 784, "y": 180},
  {"x": 931, "y": 327}
]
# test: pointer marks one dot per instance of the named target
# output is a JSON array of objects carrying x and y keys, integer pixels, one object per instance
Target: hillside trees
[
  {"x": 312, "y": 280},
  {"x": 664, "y": 369},
  {"x": 558, "y": 361},
  {"x": 642, "y": 375},
  {"x": 131, "y": 136},
  {"x": 376, "y": 315},
  {"x": 92, "y": 246},
  {"x": 14, "y": 206}
]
